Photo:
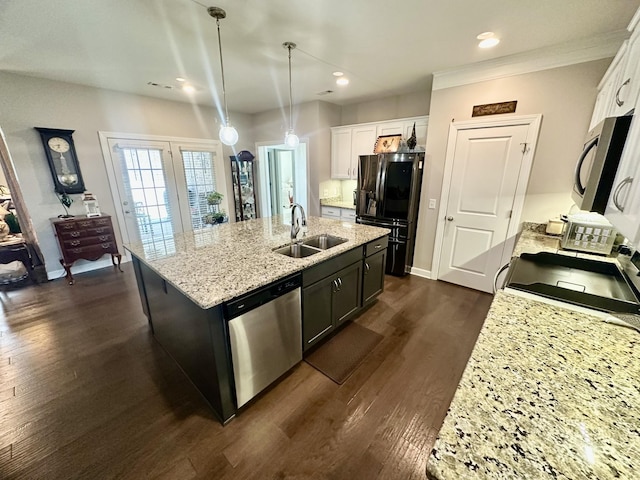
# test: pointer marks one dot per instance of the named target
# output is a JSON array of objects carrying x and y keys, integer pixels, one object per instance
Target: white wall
[
  {"x": 312, "y": 122},
  {"x": 27, "y": 102},
  {"x": 387, "y": 108},
  {"x": 564, "y": 96}
]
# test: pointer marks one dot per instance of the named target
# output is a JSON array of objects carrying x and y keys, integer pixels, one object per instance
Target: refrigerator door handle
[{"x": 382, "y": 178}]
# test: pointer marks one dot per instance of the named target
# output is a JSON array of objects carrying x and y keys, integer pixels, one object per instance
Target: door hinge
[
  {"x": 524, "y": 147},
  {"x": 510, "y": 214}
]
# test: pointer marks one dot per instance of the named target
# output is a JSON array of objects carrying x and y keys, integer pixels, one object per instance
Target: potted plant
[
  {"x": 214, "y": 198},
  {"x": 219, "y": 217}
]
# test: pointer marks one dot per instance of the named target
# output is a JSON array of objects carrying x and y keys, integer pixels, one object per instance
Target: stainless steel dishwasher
[{"x": 265, "y": 333}]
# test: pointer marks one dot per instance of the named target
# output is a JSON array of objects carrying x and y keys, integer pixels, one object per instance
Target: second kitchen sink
[
  {"x": 324, "y": 241},
  {"x": 297, "y": 250}
]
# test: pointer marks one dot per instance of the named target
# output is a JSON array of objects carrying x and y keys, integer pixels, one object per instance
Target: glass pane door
[{"x": 146, "y": 185}]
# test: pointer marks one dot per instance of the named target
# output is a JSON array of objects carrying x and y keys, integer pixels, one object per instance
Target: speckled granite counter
[
  {"x": 337, "y": 203},
  {"x": 217, "y": 264},
  {"x": 547, "y": 393}
]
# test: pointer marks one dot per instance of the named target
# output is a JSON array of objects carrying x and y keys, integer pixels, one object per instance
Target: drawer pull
[
  {"x": 75, "y": 234},
  {"x": 75, "y": 243},
  {"x": 320, "y": 334},
  {"x": 366, "y": 268},
  {"x": 76, "y": 250},
  {"x": 106, "y": 245},
  {"x": 100, "y": 230},
  {"x": 84, "y": 224},
  {"x": 378, "y": 246},
  {"x": 103, "y": 238}
]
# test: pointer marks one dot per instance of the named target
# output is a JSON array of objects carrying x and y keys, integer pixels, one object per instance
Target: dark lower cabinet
[
  {"x": 195, "y": 338},
  {"x": 330, "y": 302},
  {"x": 373, "y": 277}
]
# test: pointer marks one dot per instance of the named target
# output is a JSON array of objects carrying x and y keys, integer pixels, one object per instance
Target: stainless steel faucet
[{"x": 296, "y": 222}]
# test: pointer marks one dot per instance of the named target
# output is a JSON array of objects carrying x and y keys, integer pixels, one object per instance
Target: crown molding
[{"x": 570, "y": 53}]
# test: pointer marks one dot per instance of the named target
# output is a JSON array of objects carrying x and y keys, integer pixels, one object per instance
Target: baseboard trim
[
  {"x": 82, "y": 266},
  {"x": 419, "y": 272}
]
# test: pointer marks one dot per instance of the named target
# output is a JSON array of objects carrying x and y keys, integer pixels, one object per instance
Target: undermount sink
[
  {"x": 310, "y": 246},
  {"x": 324, "y": 241},
  {"x": 297, "y": 250}
]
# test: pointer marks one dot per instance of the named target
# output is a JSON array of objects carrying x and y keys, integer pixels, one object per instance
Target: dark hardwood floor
[{"x": 86, "y": 392}]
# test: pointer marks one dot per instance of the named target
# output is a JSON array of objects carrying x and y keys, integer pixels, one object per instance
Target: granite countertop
[
  {"x": 337, "y": 203},
  {"x": 217, "y": 264},
  {"x": 547, "y": 393}
]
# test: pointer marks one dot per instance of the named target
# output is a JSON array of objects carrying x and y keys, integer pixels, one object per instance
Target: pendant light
[
  {"x": 228, "y": 134},
  {"x": 291, "y": 140}
]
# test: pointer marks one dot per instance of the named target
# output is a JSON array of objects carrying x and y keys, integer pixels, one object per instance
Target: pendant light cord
[
  {"x": 224, "y": 91},
  {"x": 290, "y": 94}
]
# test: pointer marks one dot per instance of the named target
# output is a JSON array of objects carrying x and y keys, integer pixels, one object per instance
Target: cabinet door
[
  {"x": 623, "y": 208},
  {"x": 346, "y": 292},
  {"x": 628, "y": 84},
  {"x": 391, "y": 128},
  {"x": 609, "y": 87},
  {"x": 373, "y": 277},
  {"x": 330, "y": 212},
  {"x": 316, "y": 311},
  {"x": 348, "y": 215},
  {"x": 340, "y": 152},
  {"x": 421, "y": 131},
  {"x": 363, "y": 140}
]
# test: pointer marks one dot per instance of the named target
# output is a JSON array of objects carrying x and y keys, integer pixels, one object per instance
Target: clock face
[{"x": 58, "y": 144}]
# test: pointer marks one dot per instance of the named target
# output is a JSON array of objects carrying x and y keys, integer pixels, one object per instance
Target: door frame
[
  {"x": 534, "y": 122},
  {"x": 104, "y": 138},
  {"x": 262, "y": 165}
]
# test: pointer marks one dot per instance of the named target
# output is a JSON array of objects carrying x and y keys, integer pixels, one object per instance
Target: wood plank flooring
[{"x": 86, "y": 392}]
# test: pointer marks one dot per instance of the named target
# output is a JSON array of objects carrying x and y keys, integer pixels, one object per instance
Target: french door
[{"x": 162, "y": 187}]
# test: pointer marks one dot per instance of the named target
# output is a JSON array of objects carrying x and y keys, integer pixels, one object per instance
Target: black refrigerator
[{"x": 388, "y": 195}]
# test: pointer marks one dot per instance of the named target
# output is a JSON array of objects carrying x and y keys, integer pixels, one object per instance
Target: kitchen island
[
  {"x": 547, "y": 393},
  {"x": 190, "y": 286}
]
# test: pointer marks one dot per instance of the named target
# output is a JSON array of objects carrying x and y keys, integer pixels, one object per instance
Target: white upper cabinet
[
  {"x": 391, "y": 128},
  {"x": 349, "y": 142},
  {"x": 623, "y": 81},
  {"x": 341, "y": 152}
]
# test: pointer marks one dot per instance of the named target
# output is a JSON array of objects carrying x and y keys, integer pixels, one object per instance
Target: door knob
[{"x": 450, "y": 219}]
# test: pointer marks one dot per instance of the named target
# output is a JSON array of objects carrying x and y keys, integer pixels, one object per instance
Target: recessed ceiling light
[
  {"x": 485, "y": 35},
  {"x": 188, "y": 88},
  {"x": 342, "y": 81},
  {"x": 180, "y": 79},
  {"x": 489, "y": 42},
  {"x": 338, "y": 74}
]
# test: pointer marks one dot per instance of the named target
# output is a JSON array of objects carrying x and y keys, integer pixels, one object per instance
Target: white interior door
[{"x": 486, "y": 170}]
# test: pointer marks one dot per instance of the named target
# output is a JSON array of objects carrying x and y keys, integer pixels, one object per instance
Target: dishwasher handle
[{"x": 261, "y": 296}]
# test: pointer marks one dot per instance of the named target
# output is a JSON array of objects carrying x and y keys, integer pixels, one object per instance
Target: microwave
[{"x": 598, "y": 163}]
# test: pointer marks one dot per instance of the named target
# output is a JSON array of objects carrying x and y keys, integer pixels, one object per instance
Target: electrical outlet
[{"x": 432, "y": 203}]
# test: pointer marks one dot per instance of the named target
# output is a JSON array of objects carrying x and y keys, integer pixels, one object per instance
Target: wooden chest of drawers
[{"x": 86, "y": 238}]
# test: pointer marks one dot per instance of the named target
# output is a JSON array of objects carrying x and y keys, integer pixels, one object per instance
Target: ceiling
[{"x": 384, "y": 48}]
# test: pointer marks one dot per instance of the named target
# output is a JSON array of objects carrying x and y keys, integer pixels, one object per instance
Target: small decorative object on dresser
[
  {"x": 91, "y": 204},
  {"x": 85, "y": 238}
]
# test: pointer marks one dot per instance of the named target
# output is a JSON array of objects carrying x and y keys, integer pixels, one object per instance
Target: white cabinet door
[
  {"x": 623, "y": 209},
  {"x": 421, "y": 131},
  {"x": 390, "y": 128},
  {"x": 348, "y": 215},
  {"x": 363, "y": 140},
  {"x": 610, "y": 87},
  {"x": 341, "y": 152},
  {"x": 330, "y": 212},
  {"x": 626, "y": 92}
]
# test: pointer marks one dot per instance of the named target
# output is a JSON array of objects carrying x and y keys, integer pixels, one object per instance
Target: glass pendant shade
[
  {"x": 228, "y": 135},
  {"x": 291, "y": 140}
]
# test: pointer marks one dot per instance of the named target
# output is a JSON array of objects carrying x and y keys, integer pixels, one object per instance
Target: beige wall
[
  {"x": 312, "y": 122},
  {"x": 27, "y": 102},
  {"x": 387, "y": 108},
  {"x": 564, "y": 96}
]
